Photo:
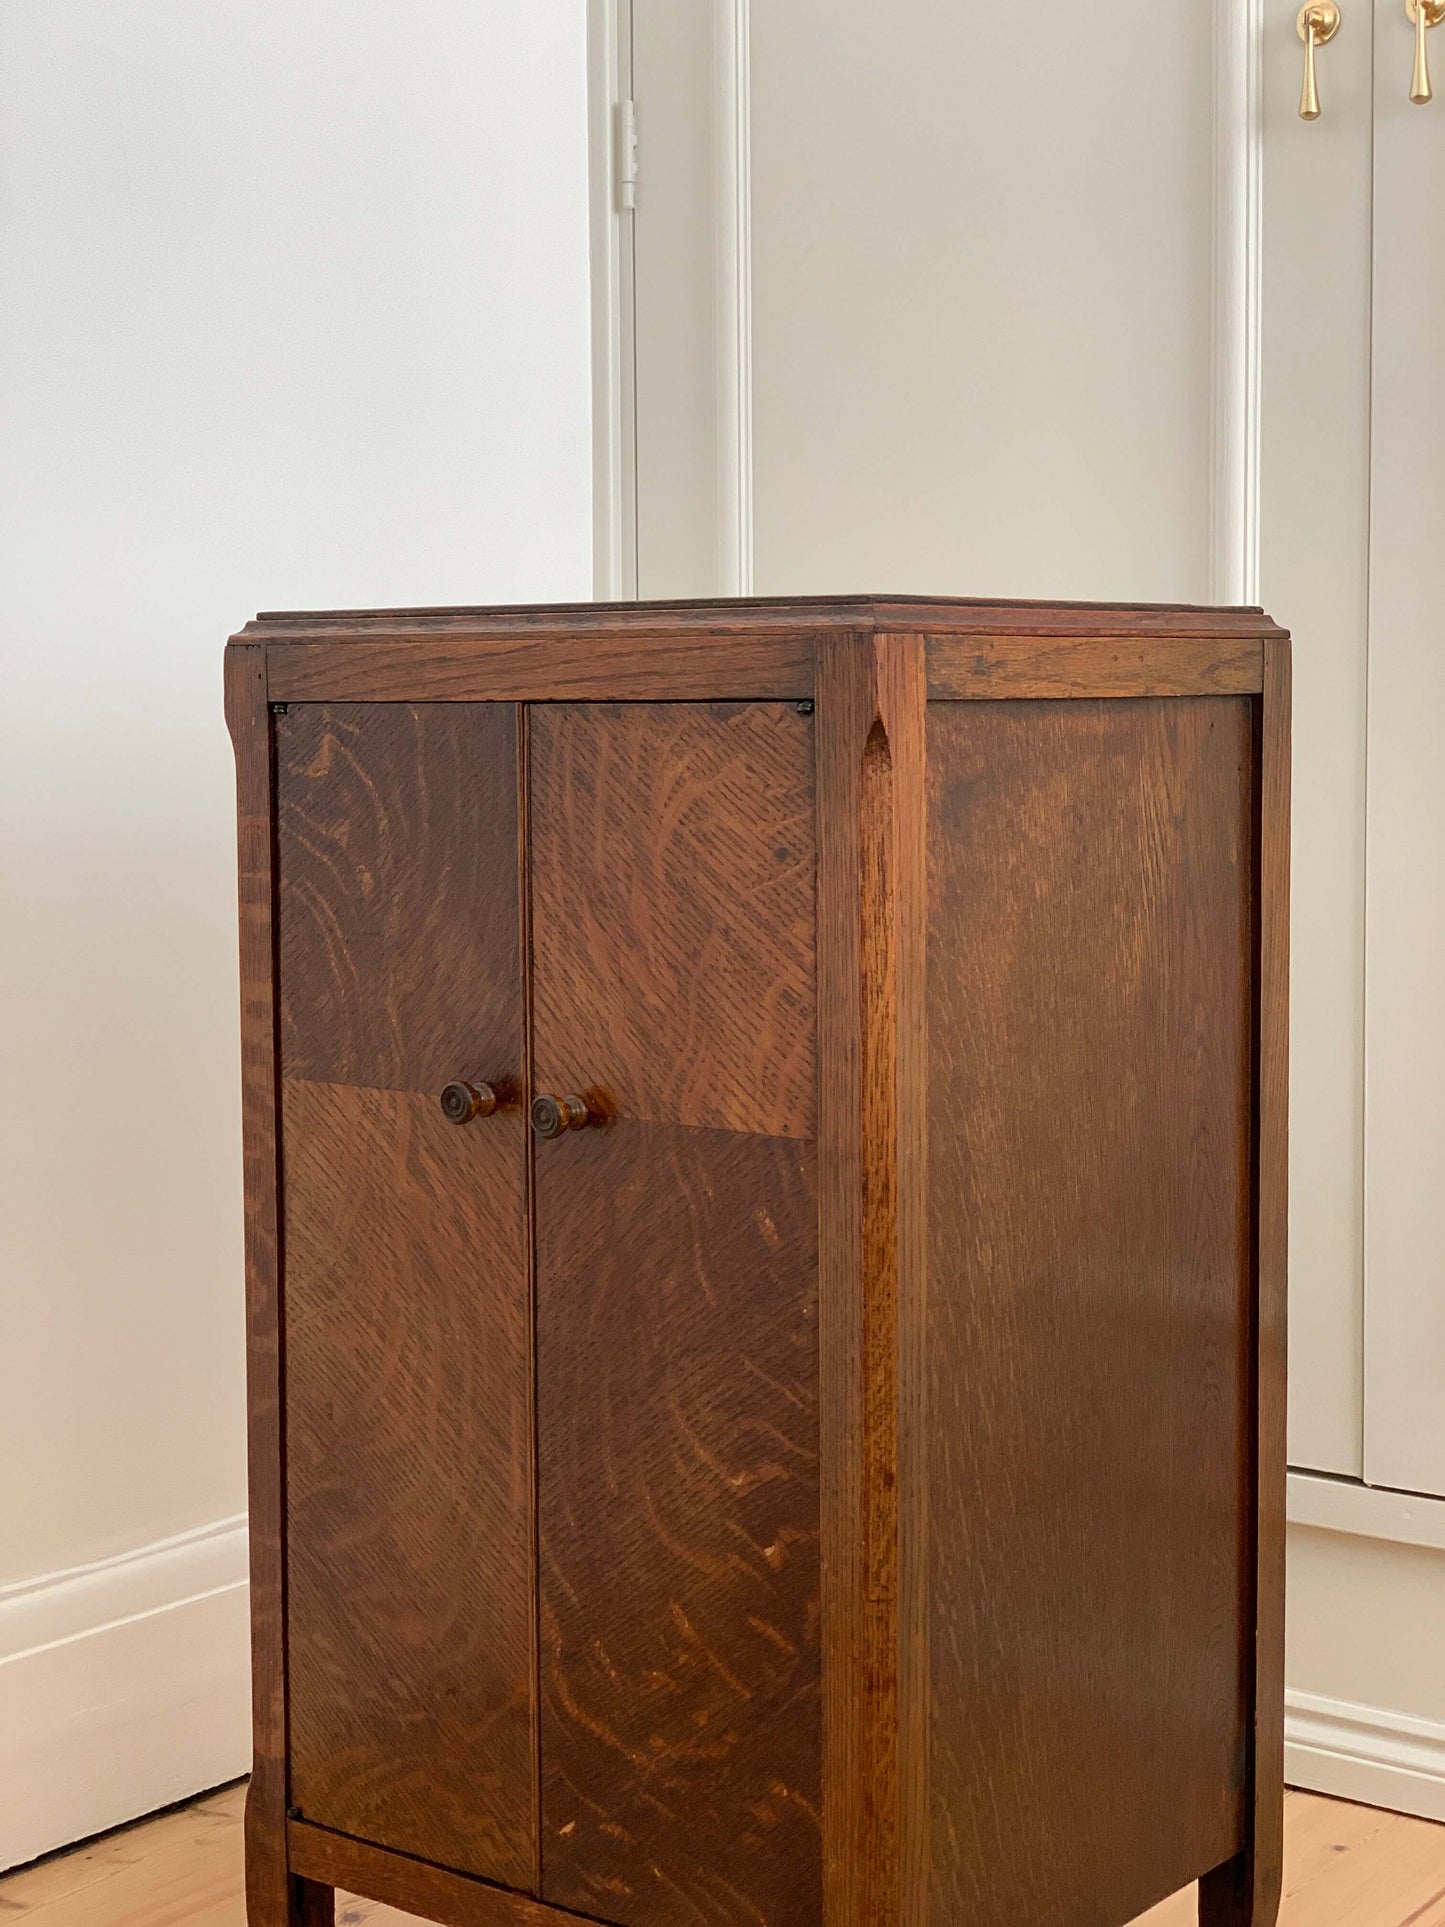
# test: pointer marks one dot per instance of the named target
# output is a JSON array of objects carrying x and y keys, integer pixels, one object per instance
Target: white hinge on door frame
[{"x": 626, "y": 154}]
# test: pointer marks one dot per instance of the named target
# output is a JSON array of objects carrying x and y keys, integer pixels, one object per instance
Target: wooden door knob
[
  {"x": 551, "y": 1116},
  {"x": 461, "y": 1102}
]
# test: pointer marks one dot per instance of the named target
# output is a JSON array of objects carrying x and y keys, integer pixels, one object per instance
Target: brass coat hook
[
  {"x": 1317, "y": 24},
  {"x": 1423, "y": 14}
]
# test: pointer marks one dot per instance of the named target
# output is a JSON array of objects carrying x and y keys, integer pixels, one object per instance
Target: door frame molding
[
  {"x": 733, "y": 54},
  {"x": 1238, "y": 303},
  {"x": 610, "y": 225}
]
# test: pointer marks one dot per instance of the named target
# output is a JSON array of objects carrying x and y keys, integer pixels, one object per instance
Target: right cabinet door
[{"x": 672, "y": 898}]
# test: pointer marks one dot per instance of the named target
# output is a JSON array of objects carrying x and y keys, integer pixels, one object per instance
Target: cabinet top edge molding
[{"x": 702, "y": 620}]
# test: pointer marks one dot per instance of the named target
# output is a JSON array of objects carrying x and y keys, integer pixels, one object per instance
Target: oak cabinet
[{"x": 764, "y": 1149}]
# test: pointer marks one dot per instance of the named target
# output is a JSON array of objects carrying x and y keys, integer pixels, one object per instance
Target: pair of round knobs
[{"x": 551, "y": 1116}]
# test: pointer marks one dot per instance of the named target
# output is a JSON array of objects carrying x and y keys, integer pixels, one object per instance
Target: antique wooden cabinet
[{"x": 765, "y": 1158}]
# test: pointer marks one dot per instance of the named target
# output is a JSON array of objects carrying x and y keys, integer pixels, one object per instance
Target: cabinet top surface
[{"x": 783, "y": 615}]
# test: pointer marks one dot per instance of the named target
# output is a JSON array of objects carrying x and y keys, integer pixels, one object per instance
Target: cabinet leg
[
  {"x": 1232, "y": 1896},
  {"x": 312, "y": 1906},
  {"x": 275, "y": 1897},
  {"x": 289, "y": 1902}
]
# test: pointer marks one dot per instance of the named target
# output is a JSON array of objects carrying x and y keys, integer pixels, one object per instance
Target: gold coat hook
[
  {"x": 1317, "y": 25},
  {"x": 1423, "y": 14}
]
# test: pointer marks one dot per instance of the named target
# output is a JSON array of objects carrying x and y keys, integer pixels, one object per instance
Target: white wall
[{"x": 294, "y": 311}]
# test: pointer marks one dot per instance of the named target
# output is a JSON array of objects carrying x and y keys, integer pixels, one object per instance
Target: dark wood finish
[
  {"x": 677, "y": 1421},
  {"x": 672, "y": 899},
  {"x": 400, "y": 934},
  {"x": 409, "y": 1356},
  {"x": 687, "y": 651},
  {"x": 1091, "y": 1040},
  {"x": 672, "y": 905},
  {"x": 778, "y": 617},
  {"x": 408, "y": 1441},
  {"x": 1272, "y": 1247},
  {"x": 970, "y": 669},
  {"x": 871, "y": 921},
  {"x": 908, "y": 1450},
  {"x": 900, "y": 675},
  {"x": 412, "y": 1886},
  {"x": 273, "y": 1899},
  {"x": 878, "y": 1131},
  {"x": 313, "y": 1903},
  {"x": 852, "y": 1792},
  {"x": 1248, "y": 1889},
  {"x": 529, "y": 1084},
  {"x": 625, "y": 668}
]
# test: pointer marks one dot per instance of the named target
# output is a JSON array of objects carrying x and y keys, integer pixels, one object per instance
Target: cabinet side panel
[
  {"x": 1090, "y": 1001},
  {"x": 410, "y": 1535}
]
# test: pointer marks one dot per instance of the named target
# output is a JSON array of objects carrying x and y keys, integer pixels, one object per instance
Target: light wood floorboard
[{"x": 1345, "y": 1866}]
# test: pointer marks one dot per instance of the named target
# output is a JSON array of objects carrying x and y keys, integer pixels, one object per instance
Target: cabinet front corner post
[
  {"x": 1272, "y": 1192},
  {"x": 271, "y": 1895},
  {"x": 870, "y": 705},
  {"x": 1245, "y": 1892},
  {"x": 845, "y": 714},
  {"x": 901, "y": 678}
]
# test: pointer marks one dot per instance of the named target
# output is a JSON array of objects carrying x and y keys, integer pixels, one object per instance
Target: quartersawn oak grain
[
  {"x": 272, "y": 1897},
  {"x": 872, "y": 1156},
  {"x": 678, "y": 1496},
  {"x": 673, "y": 904},
  {"x": 689, "y": 651},
  {"x": 407, "y": 1312},
  {"x": 1247, "y": 1889},
  {"x": 415, "y": 1887},
  {"x": 400, "y": 939},
  {"x": 970, "y": 668},
  {"x": 409, "y": 1539},
  {"x": 1091, "y": 1022},
  {"x": 573, "y": 668}
]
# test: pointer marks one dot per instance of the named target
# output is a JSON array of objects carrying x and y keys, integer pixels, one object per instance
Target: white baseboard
[
  {"x": 1384, "y": 1759},
  {"x": 124, "y": 1686},
  {"x": 1364, "y": 1657}
]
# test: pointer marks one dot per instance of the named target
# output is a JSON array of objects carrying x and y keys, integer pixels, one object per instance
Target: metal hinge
[{"x": 627, "y": 154}]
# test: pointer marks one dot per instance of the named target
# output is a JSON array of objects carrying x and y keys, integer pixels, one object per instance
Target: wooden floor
[{"x": 1345, "y": 1866}]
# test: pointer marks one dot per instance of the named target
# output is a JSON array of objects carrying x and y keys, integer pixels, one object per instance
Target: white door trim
[
  {"x": 1238, "y": 280},
  {"x": 614, "y": 408},
  {"x": 733, "y": 26}
]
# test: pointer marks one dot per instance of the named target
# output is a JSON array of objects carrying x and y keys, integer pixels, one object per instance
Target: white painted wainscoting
[{"x": 124, "y": 1685}]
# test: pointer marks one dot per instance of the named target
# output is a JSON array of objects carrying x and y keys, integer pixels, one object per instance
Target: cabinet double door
[{"x": 551, "y": 1401}]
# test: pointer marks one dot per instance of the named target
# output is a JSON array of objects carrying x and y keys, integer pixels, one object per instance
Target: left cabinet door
[{"x": 406, "y": 1309}]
